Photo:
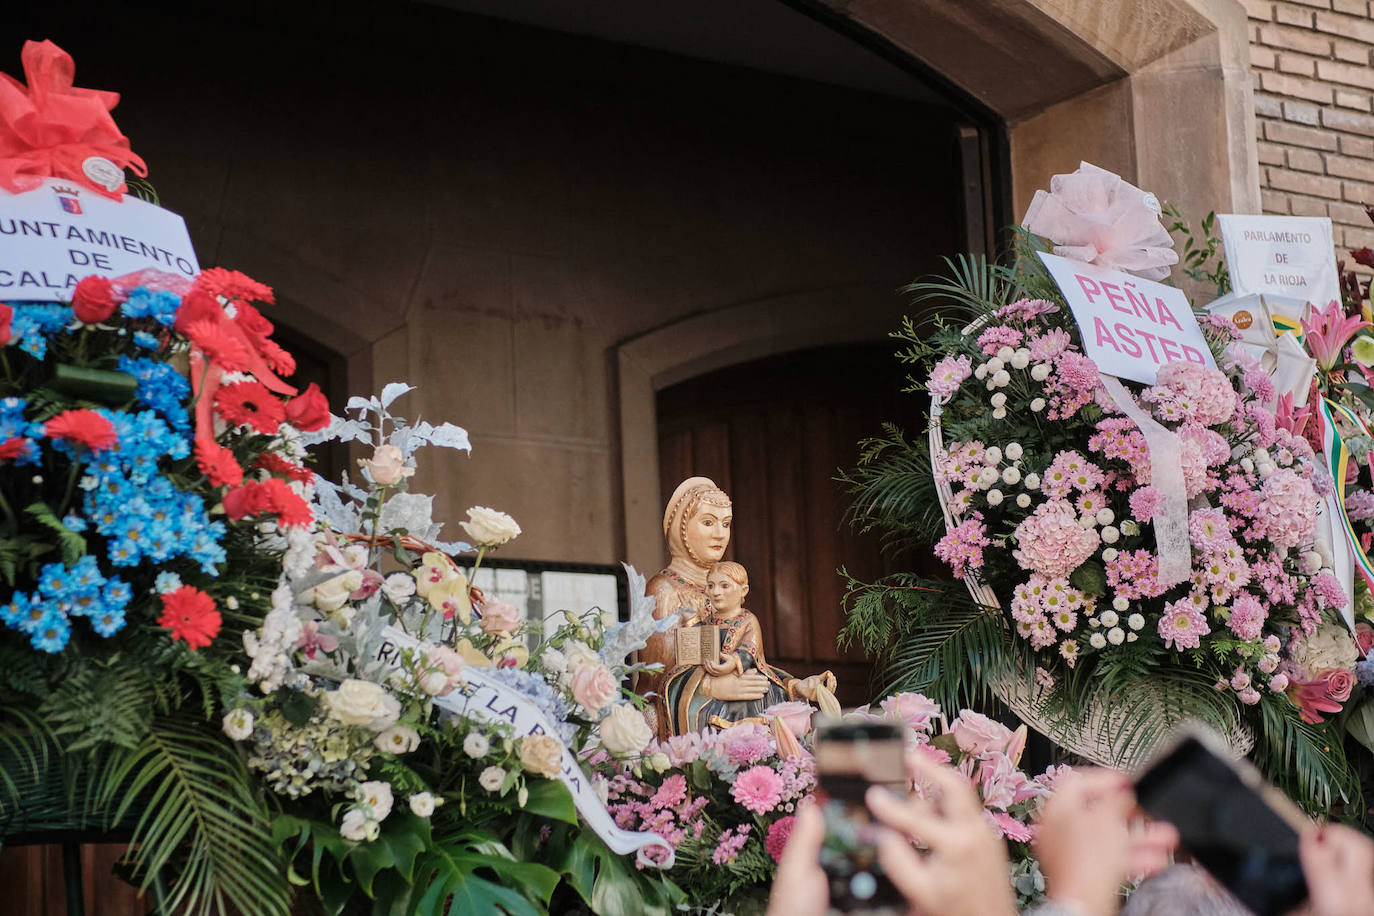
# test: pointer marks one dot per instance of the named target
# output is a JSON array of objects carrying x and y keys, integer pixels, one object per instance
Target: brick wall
[{"x": 1311, "y": 61}]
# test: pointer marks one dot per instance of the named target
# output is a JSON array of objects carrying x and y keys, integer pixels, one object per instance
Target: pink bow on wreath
[{"x": 50, "y": 128}]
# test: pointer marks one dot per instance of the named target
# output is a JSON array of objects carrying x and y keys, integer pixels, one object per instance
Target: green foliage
[
  {"x": 893, "y": 489},
  {"x": 1202, "y": 259},
  {"x": 610, "y": 884},
  {"x": 1306, "y": 761},
  {"x": 196, "y": 813}
]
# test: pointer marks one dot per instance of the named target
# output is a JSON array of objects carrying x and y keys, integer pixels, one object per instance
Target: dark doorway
[{"x": 773, "y": 434}]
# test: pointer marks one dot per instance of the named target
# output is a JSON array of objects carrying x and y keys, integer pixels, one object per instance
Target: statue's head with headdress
[{"x": 697, "y": 522}]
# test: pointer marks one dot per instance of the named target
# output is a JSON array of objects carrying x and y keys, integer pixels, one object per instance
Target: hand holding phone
[{"x": 1238, "y": 827}]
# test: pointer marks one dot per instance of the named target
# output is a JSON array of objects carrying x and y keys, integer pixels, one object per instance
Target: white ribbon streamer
[
  {"x": 487, "y": 699},
  {"x": 1166, "y": 476}
]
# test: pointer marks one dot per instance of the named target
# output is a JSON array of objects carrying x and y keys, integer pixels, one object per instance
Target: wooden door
[{"x": 773, "y": 434}]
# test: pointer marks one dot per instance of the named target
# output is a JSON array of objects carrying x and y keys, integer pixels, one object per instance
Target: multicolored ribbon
[
  {"x": 1337, "y": 462},
  {"x": 1285, "y": 325}
]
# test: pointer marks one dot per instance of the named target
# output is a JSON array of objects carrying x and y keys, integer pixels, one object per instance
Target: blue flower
[
  {"x": 117, "y": 593},
  {"x": 108, "y": 622},
  {"x": 52, "y": 632},
  {"x": 73, "y": 522},
  {"x": 166, "y": 582},
  {"x": 54, "y": 581},
  {"x": 16, "y": 611},
  {"x": 160, "y": 387},
  {"x": 144, "y": 303},
  {"x": 146, "y": 340},
  {"x": 36, "y": 612}
]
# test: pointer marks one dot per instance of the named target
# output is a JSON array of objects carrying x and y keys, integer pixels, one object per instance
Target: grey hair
[{"x": 1183, "y": 890}]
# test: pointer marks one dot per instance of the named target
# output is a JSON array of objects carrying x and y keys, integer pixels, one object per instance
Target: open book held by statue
[{"x": 716, "y": 674}]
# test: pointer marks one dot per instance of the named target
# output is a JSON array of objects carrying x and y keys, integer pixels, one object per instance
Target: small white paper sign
[
  {"x": 1289, "y": 255},
  {"x": 61, "y": 231},
  {"x": 1130, "y": 326}
]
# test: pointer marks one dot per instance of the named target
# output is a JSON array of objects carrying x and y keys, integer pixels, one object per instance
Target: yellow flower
[
  {"x": 471, "y": 654},
  {"x": 512, "y": 648},
  {"x": 435, "y": 569}
]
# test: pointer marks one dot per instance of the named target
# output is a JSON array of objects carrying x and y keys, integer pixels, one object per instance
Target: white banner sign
[
  {"x": 1289, "y": 255},
  {"x": 1130, "y": 326},
  {"x": 487, "y": 699},
  {"x": 60, "y": 232}
]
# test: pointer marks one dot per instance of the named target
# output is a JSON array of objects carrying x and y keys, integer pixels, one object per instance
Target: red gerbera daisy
[
  {"x": 250, "y": 404},
  {"x": 221, "y": 348},
  {"x": 191, "y": 615},
  {"x": 198, "y": 305},
  {"x": 282, "y": 363},
  {"x": 276, "y": 464},
  {"x": 218, "y": 464},
  {"x": 83, "y": 427},
  {"x": 252, "y": 321},
  {"x": 233, "y": 285},
  {"x": 291, "y": 510},
  {"x": 14, "y": 447}
]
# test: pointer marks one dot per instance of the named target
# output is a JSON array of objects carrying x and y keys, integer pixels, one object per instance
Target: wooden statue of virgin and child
[{"x": 714, "y": 670}]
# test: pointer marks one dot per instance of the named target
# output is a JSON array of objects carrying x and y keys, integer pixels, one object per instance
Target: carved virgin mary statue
[{"x": 687, "y": 698}]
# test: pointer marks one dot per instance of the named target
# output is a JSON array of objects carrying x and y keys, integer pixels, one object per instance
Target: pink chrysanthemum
[
  {"x": 1183, "y": 625},
  {"x": 1329, "y": 590},
  {"x": 962, "y": 546},
  {"x": 1026, "y": 310},
  {"x": 997, "y": 337},
  {"x": 1045, "y": 347},
  {"x": 778, "y": 834},
  {"x": 947, "y": 375},
  {"x": 1247, "y": 617},
  {"x": 672, "y": 792}
]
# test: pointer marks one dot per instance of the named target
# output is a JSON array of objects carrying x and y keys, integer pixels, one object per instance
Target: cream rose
[
  {"x": 624, "y": 730},
  {"x": 358, "y": 702},
  {"x": 439, "y": 670},
  {"x": 595, "y": 688},
  {"x": 579, "y": 655},
  {"x": 332, "y": 594},
  {"x": 488, "y": 527},
  {"x": 542, "y": 755},
  {"x": 387, "y": 466},
  {"x": 976, "y": 734}
]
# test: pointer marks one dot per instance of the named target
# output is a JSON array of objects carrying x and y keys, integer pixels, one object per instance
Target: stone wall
[{"x": 1315, "y": 122}]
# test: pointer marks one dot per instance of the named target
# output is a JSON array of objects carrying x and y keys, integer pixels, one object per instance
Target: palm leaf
[
  {"x": 949, "y": 658},
  {"x": 199, "y": 817},
  {"x": 975, "y": 286}
]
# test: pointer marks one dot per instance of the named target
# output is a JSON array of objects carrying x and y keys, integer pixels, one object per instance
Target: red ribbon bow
[{"x": 51, "y": 127}]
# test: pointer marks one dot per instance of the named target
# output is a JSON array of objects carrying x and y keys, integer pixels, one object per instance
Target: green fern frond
[
  {"x": 1306, "y": 761},
  {"x": 72, "y": 544},
  {"x": 199, "y": 818}
]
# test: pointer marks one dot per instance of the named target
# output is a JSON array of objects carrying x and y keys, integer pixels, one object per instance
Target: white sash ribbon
[{"x": 486, "y": 699}]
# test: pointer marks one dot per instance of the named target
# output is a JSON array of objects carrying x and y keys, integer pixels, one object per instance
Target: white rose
[
  {"x": 359, "y": 702},
  {"x": 397, "y": 740},
  {"x": 476, "y": 745},
  {"x": 422, "y": 804},
  {"x": 489, "y": 528},
  {"x": 332, "y": 594},
  {"x": 375, "y": 799},
  {"x": 238, "y": 724},
  {"x": 355, "y": 826},
  {"x": 579, "y": 655},
  {"x": 624, "y": 730},
  {"x": 398, "y": 587},
  {"x": 492, "y": 778}
]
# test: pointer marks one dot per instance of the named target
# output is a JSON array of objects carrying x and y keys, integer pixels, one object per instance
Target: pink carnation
[
  {"x": 1182, "y": 625},
  {"x": 747, "y": 742},
  {"x": 672, "y": 792},
  {"x": 1050, "y": 541},
  {"x": 1145, "y": 503},
  {"x": 1329, "y": 590},
  {"x": 758, "y": 789},
  {"x": 778, "y": 834}
]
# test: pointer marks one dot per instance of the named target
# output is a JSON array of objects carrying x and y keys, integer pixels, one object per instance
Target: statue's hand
[
  {"x": 750, "y": 686},
  {"x": 806, "y": 687}
]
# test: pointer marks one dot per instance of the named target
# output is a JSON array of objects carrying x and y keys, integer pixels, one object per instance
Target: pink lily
[
  {"x": 1312, "y": 700},
  {"x": 1327, "y": 331},
  {"x": 311, "y": 641},
  {"x": 1286, "y": 416}
]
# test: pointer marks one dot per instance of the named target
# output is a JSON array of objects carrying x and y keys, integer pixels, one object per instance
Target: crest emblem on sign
[{"x": 66, "y": 199}]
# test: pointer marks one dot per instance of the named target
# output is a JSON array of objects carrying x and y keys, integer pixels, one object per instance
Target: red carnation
[
  {"x": 250, "y": 404},
  {"x": 276, "y": 464},
  {"x": 83, "y": 427},
  {"x": 6, "y": 316},
  {"x": 218, "y": 464},
  {"x": 249, "y": 499},
  {"x": 308, "y": 410},
  {"x": 279, "y": 360},
  {"x": 198, "y": 305},
  {"x": 272, "y": 495},
  {"x": 233, "y": 285},
  {"x": 191, "y": 615},
  {"x": 13, "y": 447},
  {"x": 252, "y": 321},
  {"x": 94, "y": 300}
]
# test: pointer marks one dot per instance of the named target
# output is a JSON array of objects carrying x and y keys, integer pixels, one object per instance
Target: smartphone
[
  {"x": 850, "y": 757},
  {"x": 1236, "y": 825}
]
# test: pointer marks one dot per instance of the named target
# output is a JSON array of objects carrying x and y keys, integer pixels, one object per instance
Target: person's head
[
  {"x": 726, "y": 585},
  {"x": 697, "y": 522},
  {"x": 1182, "y": 890}
]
